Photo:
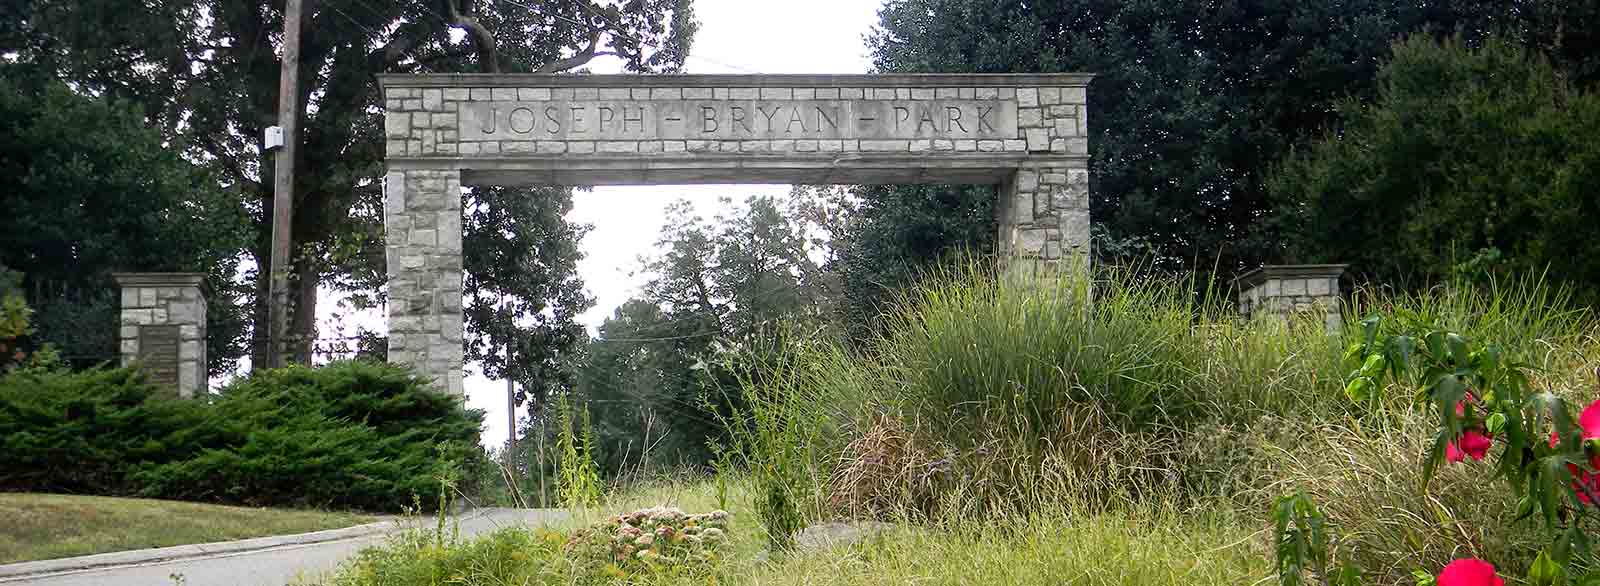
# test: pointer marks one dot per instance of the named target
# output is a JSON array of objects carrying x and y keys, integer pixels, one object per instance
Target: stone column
[
  {"x": 164, "y": 328},
  {"x": 422, "y": 226},
  {"x": 1289, "y": 292},
  {"x": 1044, "y": 218}
]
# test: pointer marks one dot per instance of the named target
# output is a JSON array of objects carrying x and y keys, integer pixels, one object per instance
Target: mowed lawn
[{"x": 47, "y": 526}]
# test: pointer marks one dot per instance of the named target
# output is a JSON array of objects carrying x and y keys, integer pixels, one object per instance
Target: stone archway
[{"x": 1026, "y": 133}]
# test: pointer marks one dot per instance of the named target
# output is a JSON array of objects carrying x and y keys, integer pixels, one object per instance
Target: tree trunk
[{"x": 303, "y": 315}]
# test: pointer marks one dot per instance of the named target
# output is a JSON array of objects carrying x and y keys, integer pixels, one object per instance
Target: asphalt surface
[{"x": 274, "y": 566}]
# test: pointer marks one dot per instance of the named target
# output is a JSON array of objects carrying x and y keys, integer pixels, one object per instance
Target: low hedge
[{"x": 347, "y": 435}]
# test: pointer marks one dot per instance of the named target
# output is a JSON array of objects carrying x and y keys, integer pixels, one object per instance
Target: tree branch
[
  {"x": 586, "y": 55},
  {"x": 482, "y": 39}
]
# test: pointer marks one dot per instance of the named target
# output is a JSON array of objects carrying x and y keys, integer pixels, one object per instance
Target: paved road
[{"x": 269, "y": 567}]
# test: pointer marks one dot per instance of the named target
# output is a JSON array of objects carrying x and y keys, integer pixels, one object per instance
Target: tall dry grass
[{"x": 992, "y": 398}]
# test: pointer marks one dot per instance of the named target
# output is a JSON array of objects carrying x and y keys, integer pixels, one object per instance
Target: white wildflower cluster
[{"x": 660, "y": 535}]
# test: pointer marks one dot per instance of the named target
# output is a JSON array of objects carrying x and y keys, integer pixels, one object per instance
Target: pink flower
[
  {"x": 1589, "y": 420},
  {"x": 1472, "y": 443},
  {"x": 1469, "y": 572}
]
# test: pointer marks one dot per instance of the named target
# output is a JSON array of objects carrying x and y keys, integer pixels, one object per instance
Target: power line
[{"x": 353, "y": 21}]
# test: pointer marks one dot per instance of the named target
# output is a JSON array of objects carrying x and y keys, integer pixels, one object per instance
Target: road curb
[{"x": 36, "y": 569}]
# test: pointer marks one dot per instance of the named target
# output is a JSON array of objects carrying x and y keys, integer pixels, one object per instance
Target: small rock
[{"x": 828, "y": 535}]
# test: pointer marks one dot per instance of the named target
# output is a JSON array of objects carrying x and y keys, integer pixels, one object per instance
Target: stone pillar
[
  {"x": 1287, "y": 292},
  {"x": 422, "y": 226},
  {"x": 1044, "y": 218},
  {"x": 164, "y": 328}
]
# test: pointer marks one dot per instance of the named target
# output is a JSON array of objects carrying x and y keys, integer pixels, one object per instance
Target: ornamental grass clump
[{"x": 653, "y": 540}]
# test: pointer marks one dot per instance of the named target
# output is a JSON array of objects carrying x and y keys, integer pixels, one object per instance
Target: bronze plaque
[{"x": 158, "y": 353}]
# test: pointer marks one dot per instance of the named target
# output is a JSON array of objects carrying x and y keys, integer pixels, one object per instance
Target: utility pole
[
  {"x": 542, "y": 430},
  {"x": 511, "y": 411},
  {"x": 283, "y": 186}
]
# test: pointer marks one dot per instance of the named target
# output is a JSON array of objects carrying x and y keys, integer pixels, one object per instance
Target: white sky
[{"x": 736, "y": 36}]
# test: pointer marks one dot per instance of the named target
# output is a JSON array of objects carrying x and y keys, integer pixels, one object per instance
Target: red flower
[
  {"x": 1469, "y": 572},
  {"x": 1472, "y": 443},
  {"x": 1580, "y": 477},
  {"x": 1589, "y": 420}
]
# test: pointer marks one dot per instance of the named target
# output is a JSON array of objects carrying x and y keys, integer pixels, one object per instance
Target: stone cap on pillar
[
  {"x": 1283, "y": 290},
  {"x": 1269, "y": 272},
  {"x": 161, "y": 280}
]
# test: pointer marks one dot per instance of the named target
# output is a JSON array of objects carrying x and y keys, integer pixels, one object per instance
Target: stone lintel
[
  {"x": 907, "y": 80},
  {"x": 835, "y": 168}
]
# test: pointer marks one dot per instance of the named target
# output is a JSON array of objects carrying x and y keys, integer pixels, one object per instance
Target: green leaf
[
  {"x": 1345, "y": 576},
  {"x": 1369, "y": 329},
  {"x": 1400, "y": 350},
  {"x": 1374, "y": 366},
  {"x": 1353, "y": 353},
  {"x": 1435, "y": 456},
  {"x": 1545, "y": 571},
  {"x": 1359, "y": 390},
  {"x": 1554, "y": 479},
  {"x": 1457, "y": 347},
  {"x": 1525, "y": 507},
  {"x": 1495, "y": 422}
]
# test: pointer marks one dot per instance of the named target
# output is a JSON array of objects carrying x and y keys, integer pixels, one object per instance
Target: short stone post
[
  {"x": 164, "y": 328},
  {"x": 1285, "y": 292}
]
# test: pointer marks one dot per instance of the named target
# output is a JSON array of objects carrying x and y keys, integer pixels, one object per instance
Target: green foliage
[
  {"x": 896, "y": 235},
  {"x": 417, "y": 556},
  {"x": 1475, "y": 159},
  {"x": 349, "y": 435},
  {"x": 1479, "y": 388},
  {"x": 89, "y": 190},
  {"x": 578, "y": 482},
  {"x": 1194, "y": 101},
  {"x": 15, "y": 316},
  {"x": 718, "y": 283},
  {"x": 522, "y": 301},
  {"x": 777, "y": 432},
  {"x": 1303, "y": 538}
]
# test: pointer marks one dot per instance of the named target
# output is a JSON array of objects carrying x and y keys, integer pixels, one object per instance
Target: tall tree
[
  {"x": 1469, "y": 161},
  {"x": 89, "y": 190},
  {"x": 206, "y": 72},
  {"x": 716, "y": 282},
  {"x": 529, "y": 296},
  {"x": 1195, "y": 99}
]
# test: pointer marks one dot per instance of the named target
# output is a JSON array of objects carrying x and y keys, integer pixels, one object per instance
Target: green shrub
[
  {"x": 513, "y": 555},
  {"x": 81, "y": 432},
  {"x": 347, "y": 435}
]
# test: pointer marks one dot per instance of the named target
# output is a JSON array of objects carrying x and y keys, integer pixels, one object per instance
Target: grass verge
[
  {"x": 1143, "y": 545},
  {"x": 49, "y": 526}
]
